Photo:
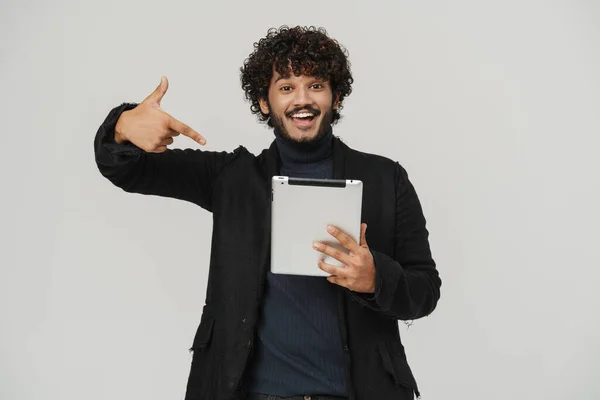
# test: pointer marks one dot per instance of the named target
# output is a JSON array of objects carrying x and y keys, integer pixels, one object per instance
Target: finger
[
  {"x": 332, "y": 252},
  {"x": 166, "y": 142},
  {"x": 344, "y": 239},
  {"x": 332, "y": 269},
  {"x": 337, "y": 281},
  {"x": 185, "y": 130},
  {"x": 172, "y": 133},
  {"x": 363, "y": 235},
  {"x": 159, "y": 92},
  {"x": 159, "y": 149}
]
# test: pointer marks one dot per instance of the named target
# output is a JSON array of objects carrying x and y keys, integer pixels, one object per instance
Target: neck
[{"x": 303, "y": 153}]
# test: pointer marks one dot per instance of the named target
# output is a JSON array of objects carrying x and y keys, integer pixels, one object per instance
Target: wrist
[{"x": 120, "y": 137}]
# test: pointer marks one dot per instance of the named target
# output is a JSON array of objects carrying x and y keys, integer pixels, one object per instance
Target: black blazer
[{"x": 235, "y": 187}]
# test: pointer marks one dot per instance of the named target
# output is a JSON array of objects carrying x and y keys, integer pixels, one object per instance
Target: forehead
[
  {"x": 291, "y": 77},
  {"x": 276, "y": 77},
  {"x": 288, "y": 72}
]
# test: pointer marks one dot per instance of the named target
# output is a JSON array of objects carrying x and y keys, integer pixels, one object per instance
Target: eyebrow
[{"x": 316, "y": 78}]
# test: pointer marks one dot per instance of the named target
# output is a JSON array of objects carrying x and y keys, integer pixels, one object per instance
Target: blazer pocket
[
  {"x": 397, "y": 366},
  {"x": 204, "y": 334}
]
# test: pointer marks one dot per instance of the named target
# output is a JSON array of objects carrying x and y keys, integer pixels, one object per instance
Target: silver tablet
[{"x": 301, "y": 210}]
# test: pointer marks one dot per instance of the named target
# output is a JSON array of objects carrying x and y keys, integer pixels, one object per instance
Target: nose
[{"x": 301, "y": 97}]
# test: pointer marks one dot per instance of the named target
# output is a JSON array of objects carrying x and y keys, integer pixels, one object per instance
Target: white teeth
[{"x": 302, "y": 115}]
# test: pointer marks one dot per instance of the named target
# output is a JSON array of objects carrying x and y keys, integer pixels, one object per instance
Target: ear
[
  {"x": 262, "y": 102},
  {"x": 336, "y": 103}
]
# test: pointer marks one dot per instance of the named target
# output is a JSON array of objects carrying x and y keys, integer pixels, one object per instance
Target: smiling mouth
[
  {"x": 303, "y": 123},
  {"x": 303, "y": 119}
]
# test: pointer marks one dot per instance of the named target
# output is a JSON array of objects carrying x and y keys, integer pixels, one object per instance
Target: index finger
[
  {"x": 185, "y": 130},
  {"x": 332, "y": 270},
  {"x": 342, "y": 237}
]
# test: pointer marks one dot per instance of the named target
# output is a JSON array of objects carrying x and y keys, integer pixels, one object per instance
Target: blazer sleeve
[
  {"x": 407, "y": 284},
  {"x": 182, "y": 174}
]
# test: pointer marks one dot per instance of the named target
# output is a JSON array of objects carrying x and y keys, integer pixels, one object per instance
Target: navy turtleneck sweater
[{"x": 299, "y": 349}]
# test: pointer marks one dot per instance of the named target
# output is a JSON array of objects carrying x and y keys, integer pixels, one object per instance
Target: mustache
[{"x": 311, "y": 110}]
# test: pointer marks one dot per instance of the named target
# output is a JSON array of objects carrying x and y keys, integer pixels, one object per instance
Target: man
[{"x": 266, "y": 336}]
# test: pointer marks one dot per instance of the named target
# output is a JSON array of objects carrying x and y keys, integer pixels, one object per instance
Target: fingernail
[
  {"x": 202, "y": 141},
  {"x": 330, "y": 229},
  {"x": 317, "y": 245}
]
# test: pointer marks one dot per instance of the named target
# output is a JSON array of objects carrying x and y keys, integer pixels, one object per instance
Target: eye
[
  {"x": 317, "y": 86},
  {"x": 285, "y": 88}
]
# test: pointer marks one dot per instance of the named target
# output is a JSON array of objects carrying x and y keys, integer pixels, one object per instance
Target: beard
[{"x": 282, "y": 132}]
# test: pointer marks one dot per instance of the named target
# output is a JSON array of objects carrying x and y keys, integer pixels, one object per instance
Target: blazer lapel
[{"x": 270, "y": 165}]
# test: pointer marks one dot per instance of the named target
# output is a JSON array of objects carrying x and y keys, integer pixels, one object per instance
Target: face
[{"x": 300, "y": 107}]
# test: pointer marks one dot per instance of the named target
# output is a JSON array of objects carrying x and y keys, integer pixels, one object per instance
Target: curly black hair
[{"x": 308, "y": 51}]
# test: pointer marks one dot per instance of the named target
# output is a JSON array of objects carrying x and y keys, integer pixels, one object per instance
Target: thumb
[
  {"x": 159, "y": 92},
  {"x": 363, "y": 235}
]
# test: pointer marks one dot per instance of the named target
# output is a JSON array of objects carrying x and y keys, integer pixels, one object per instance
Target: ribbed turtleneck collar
[{"x": 302, "y": 153}]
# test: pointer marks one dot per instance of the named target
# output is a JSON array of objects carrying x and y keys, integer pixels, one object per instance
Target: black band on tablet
[{"x": 317, "y": 182}]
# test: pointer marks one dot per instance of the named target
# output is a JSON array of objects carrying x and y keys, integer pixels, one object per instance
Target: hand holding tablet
[{"x": 358, "y": 273}]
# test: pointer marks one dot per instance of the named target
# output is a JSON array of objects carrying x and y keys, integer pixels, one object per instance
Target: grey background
[{"x": 492, "y": 107}]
